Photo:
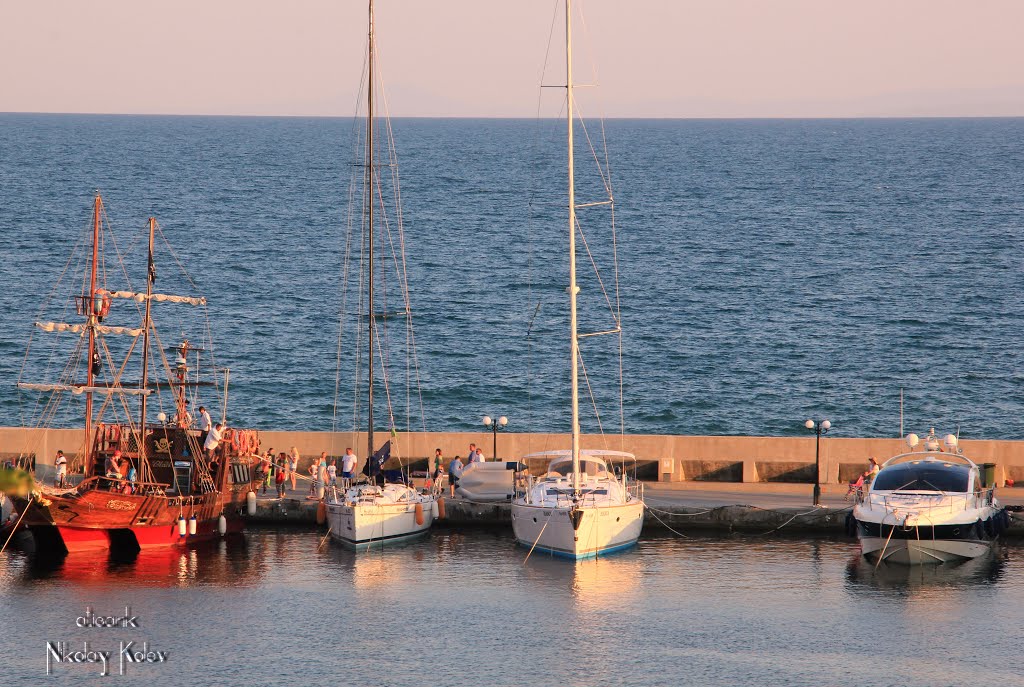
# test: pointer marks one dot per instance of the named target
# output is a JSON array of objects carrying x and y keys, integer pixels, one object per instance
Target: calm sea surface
[
  {"x": 464, "y": 609},
  {"x": 770, "y": 270}
]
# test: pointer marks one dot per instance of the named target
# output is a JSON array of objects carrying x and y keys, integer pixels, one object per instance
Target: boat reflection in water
[
  {"x": 225, "y": 562},
  {"x": 939, "y": 581}
]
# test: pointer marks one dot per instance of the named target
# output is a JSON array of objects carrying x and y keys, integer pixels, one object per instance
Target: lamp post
[
  {"x": 495, "y": 426},
  {"x": 820, "y": 427}
]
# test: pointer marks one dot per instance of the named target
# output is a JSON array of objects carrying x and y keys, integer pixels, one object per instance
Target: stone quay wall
[{"x": 667, "y": 458}]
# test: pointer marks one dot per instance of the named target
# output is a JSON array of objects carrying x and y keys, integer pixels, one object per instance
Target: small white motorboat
[{"x": 928, "y": 506}]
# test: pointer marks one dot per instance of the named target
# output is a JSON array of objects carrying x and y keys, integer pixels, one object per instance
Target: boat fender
[
  {"x": 419, "y": 513},
  {"x": 990, "y": 530},
  {"x": 250, "y": 502},
  {"x": 222, "y": 525},
  {"x": 321, "y": 513},
  {"x": 182, "y": 526},
  {"x": 434, "y": 509},
  {"x": 440, "y": 509},
  {"x": 192, "y": 525},
  {"x": 851, "y": 525}
]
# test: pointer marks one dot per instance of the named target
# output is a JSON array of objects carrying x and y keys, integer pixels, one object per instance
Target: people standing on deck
[
  {"x": 205, "y": 423},
  {"x": 454, "y": 474},
  {"x": 213, "y": 439},
  {"x": 61, "y": 464},
  {"x": 133, "y": 476},
  {"x": 293, "y": 466},
  {"x": 348, "y": 468}
]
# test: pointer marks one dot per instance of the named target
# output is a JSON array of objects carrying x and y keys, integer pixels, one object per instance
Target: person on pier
[{"x": 61, "y": 464}]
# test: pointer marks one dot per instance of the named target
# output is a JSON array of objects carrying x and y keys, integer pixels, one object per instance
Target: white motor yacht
[{"x": 928, "y": 506}]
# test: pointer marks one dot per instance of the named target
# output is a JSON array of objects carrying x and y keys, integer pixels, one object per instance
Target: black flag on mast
[{"x": 375, "y": 463}]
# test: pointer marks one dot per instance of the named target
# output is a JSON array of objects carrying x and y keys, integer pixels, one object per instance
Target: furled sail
[
  {"x": 160, "y": 297},
  {"x": 82, "y": 388},
  {"x": 78, "y": 328}
]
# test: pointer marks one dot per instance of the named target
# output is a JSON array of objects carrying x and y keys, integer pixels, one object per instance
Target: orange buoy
[
  {"x": 440, "y": 508},
  {"x": 419, "y": 513},
  {"x": 321, "y": 513}
]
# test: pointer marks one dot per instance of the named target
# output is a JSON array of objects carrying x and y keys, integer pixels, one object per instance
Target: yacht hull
[
  {"x": 602, "y": 529},
  {"x": 923, "y": 551},
  {"x": 365, "y": 526}
]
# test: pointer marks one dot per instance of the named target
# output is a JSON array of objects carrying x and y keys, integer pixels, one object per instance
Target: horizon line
[{"x": 530, "y": 118}]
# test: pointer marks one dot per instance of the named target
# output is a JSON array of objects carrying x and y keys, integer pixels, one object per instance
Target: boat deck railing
[
  {"x": 118, "y": 484},
  {"x": 940, "y": 500}
]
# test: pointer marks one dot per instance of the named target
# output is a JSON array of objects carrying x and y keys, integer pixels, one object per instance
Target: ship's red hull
[{"x": 99, "y": 520}]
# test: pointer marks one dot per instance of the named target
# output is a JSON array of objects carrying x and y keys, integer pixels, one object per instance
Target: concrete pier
[{"x": 724, "y": 507}]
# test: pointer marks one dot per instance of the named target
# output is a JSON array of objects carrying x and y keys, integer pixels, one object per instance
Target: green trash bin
[{"x": 988, "y": 474}]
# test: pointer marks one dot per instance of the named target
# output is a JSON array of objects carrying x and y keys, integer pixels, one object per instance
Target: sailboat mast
[
  {"x": 146, "y": 323},
  {"x": 574, "y": 343},
  {"x": 90, "y": 303},
  {"x": 370, "y": 200}
]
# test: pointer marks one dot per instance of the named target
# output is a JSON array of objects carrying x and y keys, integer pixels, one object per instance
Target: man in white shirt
[
  {"x": 348, "y": 468},
  {"x": 204, "y": 424},
  {"x": 213, "y": 439}
]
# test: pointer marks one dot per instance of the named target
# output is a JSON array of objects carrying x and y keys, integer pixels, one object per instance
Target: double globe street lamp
[
  {"x": 820, "y": 427},
  {"x": 495, "y": 426}
]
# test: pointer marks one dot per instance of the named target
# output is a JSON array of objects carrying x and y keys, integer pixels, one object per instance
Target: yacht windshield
[
  {"x": 594, "y": 468},
  {"x": 923, "y": 476}
]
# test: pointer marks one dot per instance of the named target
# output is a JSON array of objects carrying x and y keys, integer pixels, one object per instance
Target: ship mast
[
  {"x": 146, "y": 323},
  {"x": 90, "y": 304},
  {"x": 574, "y": 343},
  {"x": 370, "y": 199}
]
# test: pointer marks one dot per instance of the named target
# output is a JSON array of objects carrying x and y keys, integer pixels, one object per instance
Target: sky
[{"x": 484, "y": 58}]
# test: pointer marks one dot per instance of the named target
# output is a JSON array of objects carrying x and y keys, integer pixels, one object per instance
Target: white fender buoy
[
  {"x": 320, "y": 491},
  {"x": 192, "y": 525},
  {"x": 434, "y": 510},
  {"x": 222, "y": 525},
  {"x": 182, "y": 527},
  {"x": 250, "y": 502},
  {"x": 419, "y": 513}
]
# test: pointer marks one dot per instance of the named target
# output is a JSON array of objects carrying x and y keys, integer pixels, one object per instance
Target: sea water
[
  {"x": 282, "y": 607},
  {"x": 769, "y": 271}
]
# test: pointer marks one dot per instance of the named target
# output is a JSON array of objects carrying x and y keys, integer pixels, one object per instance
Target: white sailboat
[
  {"x": 379, "y": 513},
  {"x": 578, "y": 508}
]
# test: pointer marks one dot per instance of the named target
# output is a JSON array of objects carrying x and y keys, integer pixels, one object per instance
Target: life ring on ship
[{"x": 101, "y": 303}]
